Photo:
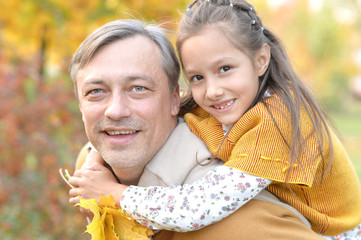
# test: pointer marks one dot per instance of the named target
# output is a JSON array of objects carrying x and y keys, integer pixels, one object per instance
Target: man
[{"x": 125, "y": 76}]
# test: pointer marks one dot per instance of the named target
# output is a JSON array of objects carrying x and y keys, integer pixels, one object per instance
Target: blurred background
[{"x": 40, "y": 124}]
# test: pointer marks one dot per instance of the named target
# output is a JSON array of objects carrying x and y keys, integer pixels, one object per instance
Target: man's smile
[{"x": 115, "y": 132}]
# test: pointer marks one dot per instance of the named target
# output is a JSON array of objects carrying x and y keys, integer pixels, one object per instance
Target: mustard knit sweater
[{"x": 254, "y": 145}]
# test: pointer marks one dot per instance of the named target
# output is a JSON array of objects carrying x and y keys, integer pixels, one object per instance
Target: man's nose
[
  {"x": 214, "y": 90},
  {"x": 118, "y": 107}
]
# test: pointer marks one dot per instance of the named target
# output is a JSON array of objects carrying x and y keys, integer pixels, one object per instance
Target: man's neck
[{"x": 128, "y": 176}]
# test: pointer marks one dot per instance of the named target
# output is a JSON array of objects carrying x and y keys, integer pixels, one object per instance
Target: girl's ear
[{"x": 262, "y": 59}]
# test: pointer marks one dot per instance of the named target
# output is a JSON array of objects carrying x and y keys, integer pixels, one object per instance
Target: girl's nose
[{"x": 214, "y": 91}]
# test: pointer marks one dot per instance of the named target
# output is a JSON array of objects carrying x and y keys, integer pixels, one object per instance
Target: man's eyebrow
[
  {"x": 93, "y": 81},
  {"x": 129, "y": 78},
  {"x": 144, "y": 77}
]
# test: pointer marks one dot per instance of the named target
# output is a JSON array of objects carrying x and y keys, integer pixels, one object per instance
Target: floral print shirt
[
  {"x": 190, "y": 207},
  {"x": 194, "y": 206}
]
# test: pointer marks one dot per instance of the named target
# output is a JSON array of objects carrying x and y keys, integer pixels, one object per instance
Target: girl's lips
[{"x": 223, "y": 105}]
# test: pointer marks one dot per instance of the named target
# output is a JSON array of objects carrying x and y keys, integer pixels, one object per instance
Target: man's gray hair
[{"x": 121, "y": 29}]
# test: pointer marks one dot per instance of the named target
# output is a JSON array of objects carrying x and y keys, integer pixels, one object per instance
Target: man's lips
[
  {"x": 120, "y": 137},
  {"x": 120, "y": 132}
]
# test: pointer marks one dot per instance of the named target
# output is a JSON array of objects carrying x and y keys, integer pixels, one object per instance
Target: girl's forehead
[
  {"x": 223, "y": 31},
  {"x": 210, "y": 32}
]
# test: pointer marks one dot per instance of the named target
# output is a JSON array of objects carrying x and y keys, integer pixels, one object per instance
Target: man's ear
[
  {"x": 175, "y": 101},
  {"x": 81, "y": 111},
  {"x": 263, "y": 57}
]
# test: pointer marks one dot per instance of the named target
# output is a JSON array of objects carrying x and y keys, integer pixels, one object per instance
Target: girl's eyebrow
[
  {"x": 221, "y": 60},
  {"x": 215, "y": 63},
  {"x": 189, "y": 72}
]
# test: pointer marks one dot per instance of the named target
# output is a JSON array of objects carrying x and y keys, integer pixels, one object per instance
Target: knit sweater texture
[{"x": 331, "y": 200}]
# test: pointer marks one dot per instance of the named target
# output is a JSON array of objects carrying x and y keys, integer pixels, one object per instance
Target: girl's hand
[
  {"x": 93, "y": 180},
  {"x": 92, "y": 157}
]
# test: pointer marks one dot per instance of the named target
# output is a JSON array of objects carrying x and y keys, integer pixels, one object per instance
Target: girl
[{"x": 254, "y": 113}]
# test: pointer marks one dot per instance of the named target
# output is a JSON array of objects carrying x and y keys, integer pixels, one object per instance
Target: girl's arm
[
  {"x": 182, "y": 208},
  {"x": 193, "y": 206}
]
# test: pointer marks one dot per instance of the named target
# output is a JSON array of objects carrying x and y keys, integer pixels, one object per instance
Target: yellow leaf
[
  {"x": 96, "y": 227},
  {"x": 111, "y": 223}
]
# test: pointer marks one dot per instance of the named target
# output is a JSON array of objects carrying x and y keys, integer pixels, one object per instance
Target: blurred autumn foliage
[
  {"x": 40, "y": 124},
  {"x": 39, "y": 132}
]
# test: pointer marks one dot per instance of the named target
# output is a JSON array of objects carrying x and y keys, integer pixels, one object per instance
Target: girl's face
[{"x": 223, "y": 80}]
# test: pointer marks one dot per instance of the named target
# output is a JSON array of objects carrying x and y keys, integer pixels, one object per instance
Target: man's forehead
[
  {"x": 132, "y": 44},
  {"x": 138, "y": 55}
]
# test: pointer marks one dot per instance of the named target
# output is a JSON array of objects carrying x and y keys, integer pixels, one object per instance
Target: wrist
[{"x": 117, "y": 193}]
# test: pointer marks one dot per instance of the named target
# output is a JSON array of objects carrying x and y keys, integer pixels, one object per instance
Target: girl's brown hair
[{"x": 245, "y": 30}]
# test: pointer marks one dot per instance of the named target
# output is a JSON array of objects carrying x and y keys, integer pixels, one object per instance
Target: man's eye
[
  {"x": 95, "y": 91},
  {"x": 196, "y": 78},
  {"x": 224, "y": 69},
  {"x": 138, "y": 88}
]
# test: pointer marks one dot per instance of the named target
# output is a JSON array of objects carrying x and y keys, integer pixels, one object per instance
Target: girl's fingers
[
  {"x": 73, "y": 192},
  {"x": 74, "y": 200},
  {"x": 77, "y": 173},
  {"x": 75, "y": 181},
  {"x": 95, "y": 157},
  {"x": 94, "y": 166},
  {"x": 86, "y": 213},
  {"x": 92, "y": 157}
]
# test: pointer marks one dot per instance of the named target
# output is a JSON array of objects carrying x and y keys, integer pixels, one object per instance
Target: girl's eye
[
  {"x": 138, "y": 88},
  {"x": 224, "y": 69},
  {"x": 196, "y": 78}
]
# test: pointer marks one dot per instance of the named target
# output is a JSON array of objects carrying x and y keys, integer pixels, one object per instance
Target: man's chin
[{"x": 118, "y": 160}]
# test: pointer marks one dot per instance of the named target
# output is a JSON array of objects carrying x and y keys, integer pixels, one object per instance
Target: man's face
[{"x": 127, "y": 108}]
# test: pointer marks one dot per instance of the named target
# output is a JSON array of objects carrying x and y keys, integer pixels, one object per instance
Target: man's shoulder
[
  {"x": 180, "y": 144},
  {"x": 182, "y": 152}
]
